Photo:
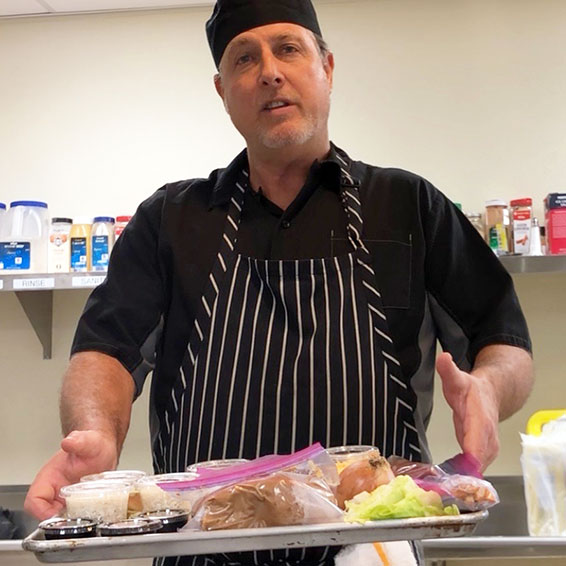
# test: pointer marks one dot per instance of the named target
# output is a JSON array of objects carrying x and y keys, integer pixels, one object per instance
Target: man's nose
[{"x": 270, "y": 72}]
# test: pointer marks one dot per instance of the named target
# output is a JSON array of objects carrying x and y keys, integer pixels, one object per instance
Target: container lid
[
  {"x": 61, "y": 220},
  {"x": 129, "y": 527},
  {"x": 78, "y": 220},
  {"x": 109, "y": 219},
  {"x": 123, "y": 218},
  {"x": 28, "y": 203},
  {"x": 62, "y": 527},
  {"x": 521, "y": 202},
  {"x": 171, "y": 477},
  {"x": 167, "y": 517},
  {"x": 128, "y": 475},
  {"x": 2, "y": 206},
  {"x": 495, "y": 202},
  {"x": 99, "y": 488}
]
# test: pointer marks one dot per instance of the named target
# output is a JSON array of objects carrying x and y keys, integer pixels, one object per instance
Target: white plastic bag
[{"x": 544, "y": 471}]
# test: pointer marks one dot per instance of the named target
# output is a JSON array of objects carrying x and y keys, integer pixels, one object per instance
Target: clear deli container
[
  {"x": 343, "y": 456},
  {"x": 123, "y": 475},
  {"x": 131, "y": 477},
  {"x": 216, "y": 464},
  {"x": 153, "y": 498},
  {"x": 98, "y": 500}
]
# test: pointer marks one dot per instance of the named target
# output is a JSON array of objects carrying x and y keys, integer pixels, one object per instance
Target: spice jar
[
  {"x": 497, "y": 226},
  {"x": 522, "y": 216}
]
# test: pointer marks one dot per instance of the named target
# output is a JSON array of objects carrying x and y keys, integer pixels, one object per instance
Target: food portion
[
  {"x": 273, "y": 501},
  {"x": 401, "y": 498},
  {"x": 311, "y": 486},
  {"x": 363, "y": 474}
]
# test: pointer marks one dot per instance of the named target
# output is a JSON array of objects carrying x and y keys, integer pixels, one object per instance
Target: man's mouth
[{"x": 275, "y": 104}]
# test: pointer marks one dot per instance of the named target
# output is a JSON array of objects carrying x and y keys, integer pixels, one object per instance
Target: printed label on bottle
[
  {"x": 78, "y": 254},
  {"x": 15, "y": 255},
  {"x": 100, "y": 253}
]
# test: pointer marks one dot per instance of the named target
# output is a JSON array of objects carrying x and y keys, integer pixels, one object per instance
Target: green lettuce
[{"x": 401, "y": 498}]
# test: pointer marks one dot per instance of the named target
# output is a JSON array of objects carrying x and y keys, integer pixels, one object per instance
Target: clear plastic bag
[
  {"x": 457, "y": 480},
  {"x": 277, "y": 499},
  {"x": 544, "y": 471},
  {"x": 296, "y": 488}
]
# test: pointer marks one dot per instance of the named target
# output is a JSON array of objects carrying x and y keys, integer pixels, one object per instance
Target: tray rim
[{"x": 206, "y": 542}]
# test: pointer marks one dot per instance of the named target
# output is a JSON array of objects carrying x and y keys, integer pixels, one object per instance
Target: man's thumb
[{"x": 448, "y": 371}]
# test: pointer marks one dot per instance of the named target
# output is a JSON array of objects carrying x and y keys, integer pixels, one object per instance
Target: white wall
[{"x": 97, "y": 111}]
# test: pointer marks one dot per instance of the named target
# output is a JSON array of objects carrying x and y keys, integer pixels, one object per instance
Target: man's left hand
[{"x": 475, "y": 409}]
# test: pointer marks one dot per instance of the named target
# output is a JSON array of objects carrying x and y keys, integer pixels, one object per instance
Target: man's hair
[{"x": 323, "y": 48}]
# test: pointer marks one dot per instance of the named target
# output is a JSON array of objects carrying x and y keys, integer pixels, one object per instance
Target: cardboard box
[{"x": 555, "y": 220}]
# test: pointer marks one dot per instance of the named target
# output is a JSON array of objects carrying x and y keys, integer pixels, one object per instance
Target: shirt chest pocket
[{"x": 392, "y": 261}]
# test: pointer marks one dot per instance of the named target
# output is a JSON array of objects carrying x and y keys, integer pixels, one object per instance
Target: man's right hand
[{"x": 82, "y": 452}]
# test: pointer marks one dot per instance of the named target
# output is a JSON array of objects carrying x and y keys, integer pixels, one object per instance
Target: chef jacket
[{"x": 438, "y": 278}]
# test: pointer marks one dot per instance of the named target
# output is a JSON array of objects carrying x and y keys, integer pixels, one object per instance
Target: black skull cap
[{"x": 232, "y": 17}]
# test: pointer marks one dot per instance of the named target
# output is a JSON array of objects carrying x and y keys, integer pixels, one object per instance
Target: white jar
[
  {"x": 59, "y": 246},
  {"x": 102, "y": 241},
  {"x": 23, "y": 248},
  {"x": 2, "y": 219}
]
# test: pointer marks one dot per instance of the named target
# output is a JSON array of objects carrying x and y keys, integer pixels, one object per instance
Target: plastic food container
[
  {"x": 171, "y": 519},
  {"x": 131, "y": 477},
  {"x": 216, "y": 464},
  {"x": 129, "y": 527},
  {"x": 124, "y": 475},
  {"x": 153, "y": 498},
  {"x": 61, "y": 528},
  {"x": 102, "y": 500},
  {"x": 345, "y": 455}
]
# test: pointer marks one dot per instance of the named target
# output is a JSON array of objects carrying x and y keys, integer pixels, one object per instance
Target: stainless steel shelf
[
  {"x": 35, "y": 294},
  {"x": 51, "y": 281},
  {"x": 534, "y": 264}
]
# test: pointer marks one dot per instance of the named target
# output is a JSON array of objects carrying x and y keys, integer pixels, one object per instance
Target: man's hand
[
  {"x": 82, "y": 452},
  {"x": 475, "y": 409}
]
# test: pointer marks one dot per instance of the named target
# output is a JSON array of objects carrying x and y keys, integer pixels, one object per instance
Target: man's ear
[
  {"x": 329, "y": 67},
  {"x": 220, "y": 89}
]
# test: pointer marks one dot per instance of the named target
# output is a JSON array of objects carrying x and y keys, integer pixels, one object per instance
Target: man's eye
[
  {"x": 243, "y": 59},
  {"x": 288, "y": 48}
]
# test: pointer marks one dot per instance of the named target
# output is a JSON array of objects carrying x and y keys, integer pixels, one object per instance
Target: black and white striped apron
[{"x": 284, "y": 354}]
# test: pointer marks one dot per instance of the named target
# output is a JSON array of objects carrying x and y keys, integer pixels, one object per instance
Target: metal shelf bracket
[{"x": 38, "y": 306}]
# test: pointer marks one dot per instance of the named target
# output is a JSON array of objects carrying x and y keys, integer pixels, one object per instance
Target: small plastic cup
[
  {"x": 153, "y": 498},
  {"x": 343, "y": 456},
  {"x": 216, "y": 464},
  {"x": 124, "y": 475},
  {"x": 101, "y": 500},
  {"x": 129, "y": 527},
  {"x": 62, "y": 528}
]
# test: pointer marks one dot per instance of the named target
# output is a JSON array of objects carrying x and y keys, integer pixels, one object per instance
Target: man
[{"x": 295, "y": 296}]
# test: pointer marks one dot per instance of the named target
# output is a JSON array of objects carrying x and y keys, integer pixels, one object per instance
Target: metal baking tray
[{"x": 237, "y": 540}]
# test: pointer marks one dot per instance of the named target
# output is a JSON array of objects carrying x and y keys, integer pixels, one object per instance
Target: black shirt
[{"x": 438, "y": 278}]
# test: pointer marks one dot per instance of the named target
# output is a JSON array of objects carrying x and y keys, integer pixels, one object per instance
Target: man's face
[{"x": 276, "y": 86}]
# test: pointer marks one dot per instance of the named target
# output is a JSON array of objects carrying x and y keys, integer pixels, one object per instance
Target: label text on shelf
[
  {"x": 35, "y": 283},
  {"x": 87, "y": 281}
]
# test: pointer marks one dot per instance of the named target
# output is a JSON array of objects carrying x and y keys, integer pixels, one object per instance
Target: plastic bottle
[
  {"x": 59, "y": 246},
  {"x": 121, "y": 222},
  {"x": 536, "y": 240},
  {"x": 80, "y": 244},
  {"x": 102, "y": 240},
  {"x": 24, "y": 242},
  {"x": 497, "y": 226}
]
